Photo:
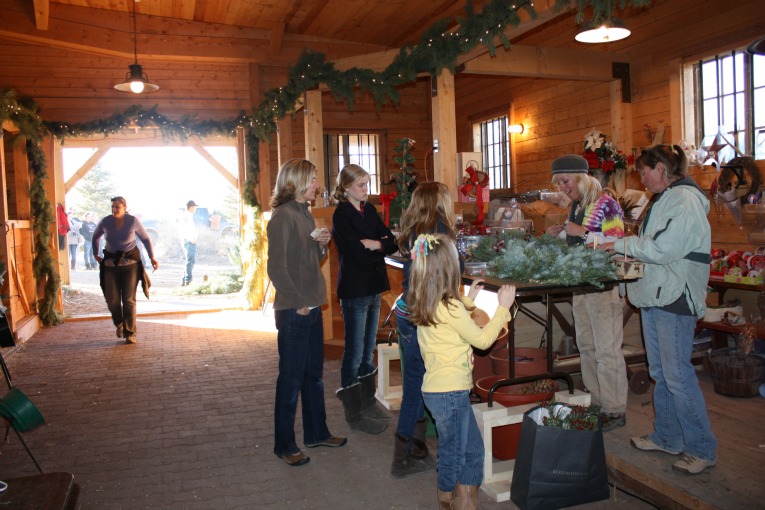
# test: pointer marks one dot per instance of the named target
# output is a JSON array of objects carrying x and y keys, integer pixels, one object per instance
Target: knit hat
[{"x": 570, "y": 164}]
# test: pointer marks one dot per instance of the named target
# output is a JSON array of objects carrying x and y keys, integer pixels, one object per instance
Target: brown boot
[
  {"x": 445, "y": 500},
  {"x": 465, "y": 497}
]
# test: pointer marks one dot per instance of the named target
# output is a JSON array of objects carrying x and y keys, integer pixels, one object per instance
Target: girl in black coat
[{"x": 362, "y": 241}]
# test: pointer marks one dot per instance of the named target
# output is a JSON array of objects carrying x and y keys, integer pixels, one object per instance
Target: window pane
[
  {"x": 759, "y": 110},
  {"x": 709, "y": 79},
  {"x": 711, "y": 121},
  {"x": 726, "y": 75},
  {"x": 759, "y": 70},
  {"x": 495, "y": 149},
  {"x": 360, "y": 149}
]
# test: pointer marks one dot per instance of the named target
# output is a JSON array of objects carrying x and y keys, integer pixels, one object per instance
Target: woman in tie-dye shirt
[{"x": 597, "y": 315}]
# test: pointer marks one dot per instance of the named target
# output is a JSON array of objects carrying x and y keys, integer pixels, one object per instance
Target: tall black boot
[
  {"x": 419, "y": 446},
  {"x": 351, "y": 398},
  {"x": 404, "y": 463},
  {"x": 369, "y": 401}
]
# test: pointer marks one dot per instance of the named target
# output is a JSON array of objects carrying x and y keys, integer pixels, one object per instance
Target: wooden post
[
  {"x": 444, "y": 132},
  {"x": 314, "y": 134},
  {"x": 284, "y": 136}
]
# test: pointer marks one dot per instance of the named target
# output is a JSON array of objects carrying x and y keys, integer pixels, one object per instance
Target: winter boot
[
  {"x": 465, "y": 497},
  {"x": 369, "y": 401},
  {"x": 351, "y": 398},
  {"x": 420, "y": 447},
  {"x": 445, "y": 500},
  {"x": 404, "y": 463}
]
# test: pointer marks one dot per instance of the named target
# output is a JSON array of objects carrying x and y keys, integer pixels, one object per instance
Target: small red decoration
[
  {"x": 474, "y": 182},
  {"x": 385, "y": 200}
]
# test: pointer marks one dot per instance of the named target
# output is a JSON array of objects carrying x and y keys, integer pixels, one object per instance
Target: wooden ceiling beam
[
  {"x": 277, "y": 35},
  {"x": 42, "y": 12},
  {"x": 533, "y": 61},
  {"x": 162, "y": 39},
  {"x": 378, "y": 61}
]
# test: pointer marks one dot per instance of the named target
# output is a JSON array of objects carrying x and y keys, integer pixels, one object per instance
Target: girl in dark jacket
[{"x": 362, "y": 241}]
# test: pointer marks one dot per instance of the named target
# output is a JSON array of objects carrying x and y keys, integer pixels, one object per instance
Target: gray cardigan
[{"x": 294, "y": 258}]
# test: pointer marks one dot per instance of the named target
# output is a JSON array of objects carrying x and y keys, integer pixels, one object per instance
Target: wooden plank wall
[{"x": 558, "y": 113}]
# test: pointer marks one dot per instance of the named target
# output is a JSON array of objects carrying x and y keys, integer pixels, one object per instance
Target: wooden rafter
[{"x": 42, "y": 13}]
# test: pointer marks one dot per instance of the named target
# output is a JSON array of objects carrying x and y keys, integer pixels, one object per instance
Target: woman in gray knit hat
[{"x": 597, "y": 315}]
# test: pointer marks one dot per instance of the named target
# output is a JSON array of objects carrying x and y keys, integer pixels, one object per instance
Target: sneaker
[
  {"x": 646, "y": 444},
  {"x": 692, "y": 465},
  {"x": 119, "y": 331},
  {"x": 610, "y": 421},
  {"x": 131, "y": 339},
  {"x": 331, "y": 441},
  {"x": 295, "y": 459}
]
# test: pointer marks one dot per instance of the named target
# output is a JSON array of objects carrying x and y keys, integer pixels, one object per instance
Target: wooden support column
[
  {"x": 621, "y": 119},
  {"x": 314, "y": 134},
  {"x": 284, "y": 136},
  {"x": 444, "y": 132},
  {"x": 314, "y": 152},
  {"x": 56, "y": 172}
]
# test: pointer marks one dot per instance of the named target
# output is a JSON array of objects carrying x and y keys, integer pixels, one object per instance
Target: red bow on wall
[
  {"x": 475, "y": 181},
  {"x": 385, "y": 200}
]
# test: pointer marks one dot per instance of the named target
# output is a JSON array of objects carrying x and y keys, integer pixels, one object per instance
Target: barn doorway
[{"x": 157, "y": 182}]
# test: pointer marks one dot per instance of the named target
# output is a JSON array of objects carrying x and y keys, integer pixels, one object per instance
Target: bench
[{"x": 47, "y": 491}]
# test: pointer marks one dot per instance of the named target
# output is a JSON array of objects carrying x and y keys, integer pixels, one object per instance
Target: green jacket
[{"x": 674, "y": 243}]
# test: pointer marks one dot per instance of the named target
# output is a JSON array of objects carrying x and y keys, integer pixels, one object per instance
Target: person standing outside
[
  {"x": 188, "y": 233},
  {"x": 595, "y": 216},
  {"x": 295, "y": 251},
  {"x": 86, "y": 230},
  {"x": 446, "y": 334},
  {"x": 362, "y": 241},
  {"x": 121, "y": 266},
  {"x": 73, "y": 238},
  {"x": 430, "y": 211},
  {"x": 674, "y": 242}
]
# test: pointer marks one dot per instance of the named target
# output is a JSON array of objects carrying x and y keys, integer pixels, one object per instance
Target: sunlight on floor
[{"x": 250, "y": 320}]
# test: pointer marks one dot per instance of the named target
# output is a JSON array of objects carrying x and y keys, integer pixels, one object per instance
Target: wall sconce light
[
  {"x": 136, "y": 80},
  {"x": 612, "y": 29},
  {"x": 515, "y": 128}
]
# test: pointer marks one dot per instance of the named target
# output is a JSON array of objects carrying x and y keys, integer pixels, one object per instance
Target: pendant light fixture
[
  {"x": 136, "y": 80},
  {"x": 609, "y": 30}
]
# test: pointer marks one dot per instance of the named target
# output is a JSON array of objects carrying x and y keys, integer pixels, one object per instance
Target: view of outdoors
[{"x": 157, "y": 182}]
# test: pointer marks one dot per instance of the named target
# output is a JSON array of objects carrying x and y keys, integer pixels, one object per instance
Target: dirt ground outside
[{"x": 83, "y": 296}]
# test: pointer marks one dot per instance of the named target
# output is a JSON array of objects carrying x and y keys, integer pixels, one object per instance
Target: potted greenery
[{"x": 405, "y": 181}]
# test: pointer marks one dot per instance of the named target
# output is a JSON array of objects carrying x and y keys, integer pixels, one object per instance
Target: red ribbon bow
[
  {"x": 469, "y": 183},
  {"x": 385, "y": 200}
]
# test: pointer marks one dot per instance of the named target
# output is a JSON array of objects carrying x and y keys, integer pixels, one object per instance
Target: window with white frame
[
  {"x": 731, "y": 100},
  {"x": 361, "y": 149},
  {"x": 491, "y": 138}
]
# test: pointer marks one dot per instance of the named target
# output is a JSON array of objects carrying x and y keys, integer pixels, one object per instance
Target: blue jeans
[
  {"x": 90, "y": 260},
  {"x": 301, "y": 364},
  {"x": 460, "y": 446},
  {"x": 681, "y": 423},
  {"x": 190, "y": 253},
  {"x": 120, "y": 284},
  {"x": 360, "y": 318},
  {"x": 412, "y": 406}
]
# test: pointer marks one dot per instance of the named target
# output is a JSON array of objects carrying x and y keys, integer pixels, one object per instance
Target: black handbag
[{"x": 557, "y": 468}]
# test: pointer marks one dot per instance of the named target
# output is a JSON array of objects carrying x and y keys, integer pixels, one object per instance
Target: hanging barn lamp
[
  {"x": 609, "y": 30},
  {"x": 136, "y": 80}
]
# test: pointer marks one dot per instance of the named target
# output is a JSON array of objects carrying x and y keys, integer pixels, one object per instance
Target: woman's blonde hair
[
  {"x": 433, "y": 278},
  {"x": 292, "y": 181},
  {"x": 345, "y": 179},
  {"x": 588, "y": 187},
  {"x": 431, "y": 203}
]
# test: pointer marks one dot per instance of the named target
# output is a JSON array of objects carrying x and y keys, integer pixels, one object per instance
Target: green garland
[
  {"x": 23, "y": 114},
  {"x": 545, "y": 260},
  {"x": 437, "y": 50}
]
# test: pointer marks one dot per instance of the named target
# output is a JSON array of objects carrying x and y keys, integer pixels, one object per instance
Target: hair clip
[{"x": 423, "y": 244}]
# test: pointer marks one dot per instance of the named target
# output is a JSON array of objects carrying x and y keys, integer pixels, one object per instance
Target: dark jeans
[
  {"x": 301, "y": 365},
  {"x": 412, "y": 406},
  {"x": 360, "y": 318},
  {"x": 120, "y": 283},
  {"x": 190, "y": 252}
]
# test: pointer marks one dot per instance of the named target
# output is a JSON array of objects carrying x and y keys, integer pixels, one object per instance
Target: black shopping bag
[
  {"x": 558, "y": 468},
  {"x": 6, "y": 336}
]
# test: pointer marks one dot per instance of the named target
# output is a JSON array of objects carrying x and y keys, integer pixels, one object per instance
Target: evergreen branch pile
[{"x": 551, "y": 260}]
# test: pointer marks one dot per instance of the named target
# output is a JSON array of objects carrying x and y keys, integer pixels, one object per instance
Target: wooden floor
[{"x": 738, "y": 480}]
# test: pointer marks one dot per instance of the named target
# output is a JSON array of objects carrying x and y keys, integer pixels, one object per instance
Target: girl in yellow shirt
[{"x": 446, "y": 335}]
